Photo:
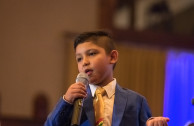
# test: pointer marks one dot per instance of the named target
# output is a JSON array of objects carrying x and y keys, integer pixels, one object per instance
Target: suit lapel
[
  {"x": 88, "y": 107},
  {"x": 119, "y": 106}
]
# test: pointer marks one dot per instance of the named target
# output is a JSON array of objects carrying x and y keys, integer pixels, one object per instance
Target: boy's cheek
[{"x": 79, "y": 69}]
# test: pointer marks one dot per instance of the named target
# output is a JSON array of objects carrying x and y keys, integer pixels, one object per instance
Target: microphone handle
[{"x": 77, "y": 110}]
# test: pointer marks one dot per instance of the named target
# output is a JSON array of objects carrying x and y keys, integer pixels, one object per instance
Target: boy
[{"x": 96, "y": 56}]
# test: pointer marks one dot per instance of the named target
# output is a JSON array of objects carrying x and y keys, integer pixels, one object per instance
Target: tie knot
[{"x": 100, "y": 90}]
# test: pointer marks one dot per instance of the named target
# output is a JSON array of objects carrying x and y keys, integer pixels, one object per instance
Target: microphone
[{"x": 78, "y": 104}]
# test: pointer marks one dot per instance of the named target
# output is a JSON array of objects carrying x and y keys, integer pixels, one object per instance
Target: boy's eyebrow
[
  {"x": 77, "y": 55},
  {"x": 91, "y": 50}
]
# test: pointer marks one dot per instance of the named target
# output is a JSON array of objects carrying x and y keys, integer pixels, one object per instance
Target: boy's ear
[{"x": 114, "y": 56}]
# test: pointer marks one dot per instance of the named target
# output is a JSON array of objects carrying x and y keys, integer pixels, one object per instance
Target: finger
[
  {"x": 79, "y": 85},
  {"x": 149, "y": 123},
  {"x": 156, "y": 123},
  {"x": 160, "y": 123},
  {"x": 78, "y": 92},
  {"x": 80, "y": 89},
  {"x": 78, "y": 95},
  {"x": 167, "y": 119},
  {"x": 164, "y": 122}
]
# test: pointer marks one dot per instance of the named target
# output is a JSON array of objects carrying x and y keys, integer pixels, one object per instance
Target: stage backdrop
[{"x": 179, "y": 88}]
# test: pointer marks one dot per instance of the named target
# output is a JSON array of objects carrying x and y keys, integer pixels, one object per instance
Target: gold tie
[{"x": 99, "y": 106}]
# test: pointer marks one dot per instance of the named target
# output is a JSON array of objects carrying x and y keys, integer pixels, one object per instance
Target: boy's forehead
[{"x": 87, "y": 45}]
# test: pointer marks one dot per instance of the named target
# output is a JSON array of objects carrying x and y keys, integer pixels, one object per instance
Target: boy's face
[{"x": 93, "y": 60}]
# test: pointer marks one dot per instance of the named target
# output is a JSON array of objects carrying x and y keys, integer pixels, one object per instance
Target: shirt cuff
[{"x": 66, "y": 100}]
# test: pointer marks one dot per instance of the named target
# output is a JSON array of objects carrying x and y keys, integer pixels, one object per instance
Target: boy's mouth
[{"x": 88, "y": 71}]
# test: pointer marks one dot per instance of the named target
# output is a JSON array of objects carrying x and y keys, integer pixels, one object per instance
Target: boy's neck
[{"x": 105, "y": 83}]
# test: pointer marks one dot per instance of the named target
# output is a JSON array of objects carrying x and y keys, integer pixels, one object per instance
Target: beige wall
[{"x": 32, "y": 49}]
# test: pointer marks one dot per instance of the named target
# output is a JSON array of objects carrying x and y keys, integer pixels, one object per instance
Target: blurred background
[{"x": 155, "y": 39}]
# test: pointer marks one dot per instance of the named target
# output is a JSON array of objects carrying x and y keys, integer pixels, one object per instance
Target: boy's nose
[{"x": 85, "y": 62}]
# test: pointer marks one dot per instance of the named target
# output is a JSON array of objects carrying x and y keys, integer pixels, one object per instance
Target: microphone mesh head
[{"x": 83, "y": 78}]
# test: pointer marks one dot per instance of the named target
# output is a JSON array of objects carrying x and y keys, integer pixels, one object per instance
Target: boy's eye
[
  {"x": 92, "y": 53},
  {"x": 79, "y": 59}
]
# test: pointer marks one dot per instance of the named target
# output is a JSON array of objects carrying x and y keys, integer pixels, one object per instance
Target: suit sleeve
[
  {"x": 145, "y": 112},
  {"x": 61, "y": 115}
]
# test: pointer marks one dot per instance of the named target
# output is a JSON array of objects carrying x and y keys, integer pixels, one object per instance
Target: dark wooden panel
[
  {"x": 151, "y": 38},
  {"x": 12, "y": 121}
]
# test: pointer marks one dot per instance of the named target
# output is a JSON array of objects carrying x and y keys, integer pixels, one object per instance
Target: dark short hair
[{"x": 100, "y": 38}]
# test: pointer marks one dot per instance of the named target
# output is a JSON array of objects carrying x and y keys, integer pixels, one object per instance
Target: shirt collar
[{"x": 110, "y": 88}]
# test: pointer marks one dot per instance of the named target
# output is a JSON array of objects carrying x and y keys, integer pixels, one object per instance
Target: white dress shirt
[{"x": 108, "y": 100}]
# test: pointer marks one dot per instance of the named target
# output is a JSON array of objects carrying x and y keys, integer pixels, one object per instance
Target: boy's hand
[
  {"x": 157, "y": 121},
  {"x": 76, "y": 90}
]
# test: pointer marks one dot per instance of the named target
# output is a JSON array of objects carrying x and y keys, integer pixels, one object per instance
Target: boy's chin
[{"x": 93, "y": 82}]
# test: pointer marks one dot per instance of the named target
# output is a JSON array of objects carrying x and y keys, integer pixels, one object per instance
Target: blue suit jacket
[{"x": 130, "y": 109}]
